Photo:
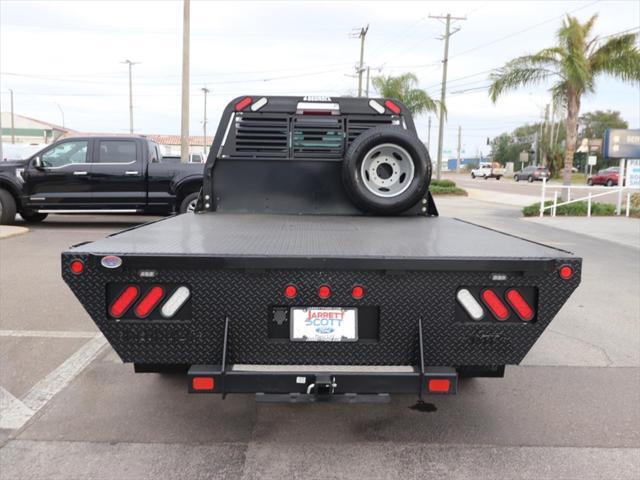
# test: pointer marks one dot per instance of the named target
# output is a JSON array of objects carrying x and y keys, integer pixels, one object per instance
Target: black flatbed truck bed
[{"x": 399, "y": 302}]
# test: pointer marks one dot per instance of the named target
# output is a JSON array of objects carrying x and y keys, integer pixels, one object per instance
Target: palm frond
[
  {"x": 618, "y": 57},
  {"x": 509, "y": 78}
]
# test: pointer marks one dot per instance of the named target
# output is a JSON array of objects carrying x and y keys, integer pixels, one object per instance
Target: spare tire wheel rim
[{"x": 387, "y": 170}]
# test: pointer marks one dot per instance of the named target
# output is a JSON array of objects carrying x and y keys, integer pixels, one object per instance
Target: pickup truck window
[
  {"x": 66, "y": 153},
  {"x": 116, "y": 151}
]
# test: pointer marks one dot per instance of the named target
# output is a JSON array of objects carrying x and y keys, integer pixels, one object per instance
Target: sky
[{"x": 66, "y": 58}]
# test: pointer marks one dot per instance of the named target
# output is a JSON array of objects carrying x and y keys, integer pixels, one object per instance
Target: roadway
[{"x": 71, "y": 410}]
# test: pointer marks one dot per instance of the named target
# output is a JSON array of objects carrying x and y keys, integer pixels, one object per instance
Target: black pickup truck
[
  {"x": 97, "y": 175},
  {"x": 317, "y": 267}
]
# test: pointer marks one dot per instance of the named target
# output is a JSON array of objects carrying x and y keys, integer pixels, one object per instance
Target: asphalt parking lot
[{"x": 70, "y": 409}]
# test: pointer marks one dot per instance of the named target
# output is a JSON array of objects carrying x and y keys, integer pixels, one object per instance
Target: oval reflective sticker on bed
[
  {"x": 175, "y": 302},
  {"x": 470, "y": 304}
]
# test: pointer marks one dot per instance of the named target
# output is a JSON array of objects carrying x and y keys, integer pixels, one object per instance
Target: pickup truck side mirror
[{"x": 37, "y": 162}]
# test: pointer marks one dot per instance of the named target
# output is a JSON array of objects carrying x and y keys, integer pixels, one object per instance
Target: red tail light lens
[
  {"x": 439, "y": 385},
  {"x": 203, "y": 383},
  {"x": 149, "y": 302},
  {"x": 497, "y": 307},
  {"x": 357, "y": 292},
  {"x": 121, "y": 304},
  {"x": 290, "y": 291},
  {"x": 77, "y": 267},
  {"x": 566, "y": 272},
  {"x": 520, "y": 305},
  {"x": 324, "y": 291},
  {"x": 392, "y": 106},
  {"x": 242, "y": 104}
]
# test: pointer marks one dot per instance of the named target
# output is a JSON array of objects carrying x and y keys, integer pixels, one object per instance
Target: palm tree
[
  {"x": 404, "y": 88},
  {"x": 573, "y": 63}
]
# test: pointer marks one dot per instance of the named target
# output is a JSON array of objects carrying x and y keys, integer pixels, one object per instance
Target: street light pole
[
  {"x": 184, "y": 124},
  {"x": 61, "y": 112},
  {"x": 131, "y": 64},
  {"x": 204, "y": 123},
  {"x": 362, "y": 34},
  {"x": 13, "y": 127}
]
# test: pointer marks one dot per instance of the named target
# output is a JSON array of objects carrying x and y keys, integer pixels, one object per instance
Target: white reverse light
[
  {"x": 470, "y": 304},
  {"x": 258, "y": 104},
  {"x": 175, "y": 302},
  {"x": 376, "y": 106}
]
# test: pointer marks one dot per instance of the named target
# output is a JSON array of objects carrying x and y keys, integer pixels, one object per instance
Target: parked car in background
[
  {"x": 488, "y": 170},
  {"x": 608, "y": 176},
  {"x": 532, "y": 173},
  {"x": 97, "y": 175}
]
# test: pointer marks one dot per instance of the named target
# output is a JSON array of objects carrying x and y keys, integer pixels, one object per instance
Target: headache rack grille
[{"x": 280, "y": 136}]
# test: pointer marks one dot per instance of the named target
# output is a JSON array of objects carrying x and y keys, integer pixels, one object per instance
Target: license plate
[{"x": 324, "y": 324}]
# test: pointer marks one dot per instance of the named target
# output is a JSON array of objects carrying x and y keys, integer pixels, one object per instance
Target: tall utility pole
[
  {"x": 443, "y": 91},
  {"x": 361, "y": 35},
  {"x": 61, "y": 113},
  {"x": 459, "y": 148},
  {"x": 368, "y": 73},
  {"x": 13, "y": 126},
  {"x": 184, "y": 125},
  {"x": 543, "y": 135},
  {"x": 131, "y": 64},
  {"x": 204, "y": 122},
  {"x": 429, "y": 136}
]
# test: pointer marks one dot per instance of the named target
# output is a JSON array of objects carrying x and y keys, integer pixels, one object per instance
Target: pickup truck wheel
[
  {"x": 473, "y": 175},
  {"x": 516, "y": 178},
  {"x": 7, "y": 208},
  {"x": 189, "y": 202},
  {"x": 33, "y": 217},
  {"x": 530, "y": 179},
  {"x": 609, "y": 183},
  {"x": 386, "y": 170},
  {"x": 498, "y": 177},
  {"x": 590, "y": 182}
]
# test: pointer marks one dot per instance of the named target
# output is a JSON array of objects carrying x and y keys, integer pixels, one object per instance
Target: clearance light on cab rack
[
  {"x": 392, "y": 106},
  {"x": 290, "y": 291},
  {"x": 258, "y": 104},
  {"x": 175, "y": 302},
  {"x": 357, "y": 292},
  {"x": 324, "y": 291},
  {"x": 242, "y": 104},
  {"x": 376, "y": 106},
  {"x": 317, "y": 108}
]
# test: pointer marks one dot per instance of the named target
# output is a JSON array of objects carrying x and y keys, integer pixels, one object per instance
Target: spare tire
[{"x": 386, "y": 170}]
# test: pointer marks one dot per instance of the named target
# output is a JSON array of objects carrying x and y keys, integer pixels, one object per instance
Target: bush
[
  {"x": 438, "y": 190},
  {"x": 443, "y": 183},
  {"x": 635, "y": 201},
  {"x": 577, "y": 209}
]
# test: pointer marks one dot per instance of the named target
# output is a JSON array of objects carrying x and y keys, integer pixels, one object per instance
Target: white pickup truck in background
[{"x": 488, "y": 170}]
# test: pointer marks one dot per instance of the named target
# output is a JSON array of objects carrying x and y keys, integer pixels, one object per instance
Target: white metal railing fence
[{"x": 620, "y": 190}]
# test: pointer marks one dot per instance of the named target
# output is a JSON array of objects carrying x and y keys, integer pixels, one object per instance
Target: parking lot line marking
[
  {"x": 49, "y": 386},
  {"x": 46, "y": 334},
  {"x": 13, "y": 413}
]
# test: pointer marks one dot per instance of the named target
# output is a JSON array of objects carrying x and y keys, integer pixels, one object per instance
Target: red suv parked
[{"x": 608, "y": 177}]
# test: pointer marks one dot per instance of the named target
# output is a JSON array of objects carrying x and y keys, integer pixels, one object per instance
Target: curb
[{"x": 7, "y": 231}]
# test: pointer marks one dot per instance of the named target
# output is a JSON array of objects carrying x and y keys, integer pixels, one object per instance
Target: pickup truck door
[
  {"x": 118, "y": 175},
  {"x": 62, "y": 180}
]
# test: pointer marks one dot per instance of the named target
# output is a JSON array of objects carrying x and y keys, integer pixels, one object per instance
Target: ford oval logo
[{"x": 324, "y": 330}]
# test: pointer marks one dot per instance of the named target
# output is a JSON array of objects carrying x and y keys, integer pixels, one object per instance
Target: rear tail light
[
  {"x": 124, "y": 301},
  {"x": 439, "y": 385},
  {"x": 493, "y": 302},
  {"x": 392, "y": 106},
  {"x": 520, "y": 305},
  {"x": 290, "y": 291},
  {"x": 566, "y": 272},
  {"x": 175, "y": 301},
  {"x": 324, "y": 291},
  {"x": 149, "y": 301},
  {"x": 76, "y": 267},
  {"x": 470, "y": 304},
  {"x": 242, "y": 104},
  {"x": 357, "y": 292},
  {"x": 203, "y": 384}
]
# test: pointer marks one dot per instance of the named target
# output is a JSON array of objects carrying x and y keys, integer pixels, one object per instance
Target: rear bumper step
[{"x": 304, "y": 385}]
